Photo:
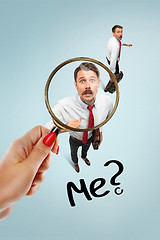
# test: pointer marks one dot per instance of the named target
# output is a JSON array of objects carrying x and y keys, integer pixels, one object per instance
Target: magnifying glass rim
[{"x": 56, "y": 121}]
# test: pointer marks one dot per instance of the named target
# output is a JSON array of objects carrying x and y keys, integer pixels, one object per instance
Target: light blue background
[{"x": 37, "y": 35}]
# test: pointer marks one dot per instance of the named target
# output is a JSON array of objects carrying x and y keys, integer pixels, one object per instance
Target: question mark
[{"x": 120, "y": 170}]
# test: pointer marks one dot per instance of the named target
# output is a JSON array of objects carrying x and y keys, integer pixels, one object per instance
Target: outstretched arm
[{"x": 128, "y": 45}]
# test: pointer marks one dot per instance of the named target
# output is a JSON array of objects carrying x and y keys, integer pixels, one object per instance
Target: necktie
[
  {"x": 90, "y": 124},
  {"x": 119, "y": 51}
]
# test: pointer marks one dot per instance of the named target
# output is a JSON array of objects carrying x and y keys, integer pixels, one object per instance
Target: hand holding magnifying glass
[{"x": 23, "y": 167}]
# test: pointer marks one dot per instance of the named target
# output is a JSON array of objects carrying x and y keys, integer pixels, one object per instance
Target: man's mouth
[{"x": 86, "y": 92}]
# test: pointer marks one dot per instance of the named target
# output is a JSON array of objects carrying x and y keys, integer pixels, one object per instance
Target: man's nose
[{"x": 87, "y": 84}]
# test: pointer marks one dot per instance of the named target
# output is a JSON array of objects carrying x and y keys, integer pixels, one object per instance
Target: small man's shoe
[
  {"x": 112, "y": 88},
  {"x": 76, "y": 167},
  {"x": 87, "y": 161}
]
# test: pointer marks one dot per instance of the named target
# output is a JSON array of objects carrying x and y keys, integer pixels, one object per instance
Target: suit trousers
[{"x": 75, "y": 144}]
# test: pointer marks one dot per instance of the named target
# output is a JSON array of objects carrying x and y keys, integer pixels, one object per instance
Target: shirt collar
[
  {"x": 116, "y": 39},
  {"x": 84, "y": 105}
]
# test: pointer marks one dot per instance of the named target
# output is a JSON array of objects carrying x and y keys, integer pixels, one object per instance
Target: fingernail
[
  {"x": 57, "y": 150},
  {"x": 49, "y": 139}
]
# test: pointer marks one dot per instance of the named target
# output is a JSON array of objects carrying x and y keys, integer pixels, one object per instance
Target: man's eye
[
  {"x": 92, "y": 80},
  {"x": 82, "y": 81}
]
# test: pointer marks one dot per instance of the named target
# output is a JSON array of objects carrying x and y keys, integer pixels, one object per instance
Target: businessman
[
  {"x": 86, "y": 109},
  {"x": 113, "y": 55}
]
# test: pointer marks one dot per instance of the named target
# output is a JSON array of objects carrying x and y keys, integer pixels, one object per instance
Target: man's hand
[
  {"x": 101, "y": 138},
  {"x": 75, "y": 123},
  {"x": 128, "y": 45}
]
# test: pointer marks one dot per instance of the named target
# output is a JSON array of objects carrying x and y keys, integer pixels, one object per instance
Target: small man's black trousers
[
  {"x": 75, "y": 144},
  {"x": 117, "y": 66}
]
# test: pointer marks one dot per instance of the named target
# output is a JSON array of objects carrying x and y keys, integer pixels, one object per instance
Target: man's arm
[
  {"x": 128, "y": 45},
  {"x": 59, "y": 113}
]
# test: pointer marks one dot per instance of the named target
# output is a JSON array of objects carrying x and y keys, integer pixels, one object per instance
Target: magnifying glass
[{"x": 59, "y": 124}]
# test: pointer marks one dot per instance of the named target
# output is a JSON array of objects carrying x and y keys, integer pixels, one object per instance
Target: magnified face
[
  {"x": 87, "y": 84},
  {"x": 118, "y": 33}
]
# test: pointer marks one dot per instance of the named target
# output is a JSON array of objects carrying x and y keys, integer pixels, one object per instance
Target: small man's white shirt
[
  {"x": 113, "y": 52},
  {"x": 71, "y": 108}
]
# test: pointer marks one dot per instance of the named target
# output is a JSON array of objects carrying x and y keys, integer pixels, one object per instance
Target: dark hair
[
  {"x": 86, "y": 66},
  {"x": 116, "y": 26}
]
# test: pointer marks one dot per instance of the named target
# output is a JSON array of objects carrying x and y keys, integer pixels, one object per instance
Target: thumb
[{"x": 41, "y": 150}]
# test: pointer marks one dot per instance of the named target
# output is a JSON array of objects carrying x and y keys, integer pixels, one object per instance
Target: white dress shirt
[
  {"x": 71, "y": 108},
  {"x": 113, "y": 53}
]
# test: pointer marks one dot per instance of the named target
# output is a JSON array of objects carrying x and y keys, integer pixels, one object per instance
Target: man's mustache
[{"x": 87, "y": 91}]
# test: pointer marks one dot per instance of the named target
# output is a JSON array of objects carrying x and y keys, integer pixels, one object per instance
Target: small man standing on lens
[{"x": 113, "y": 56}]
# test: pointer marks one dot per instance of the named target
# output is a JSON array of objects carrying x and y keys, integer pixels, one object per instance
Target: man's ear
[
  {"x": 99, "y": 82},
  {"x": 75, "y": 83}
]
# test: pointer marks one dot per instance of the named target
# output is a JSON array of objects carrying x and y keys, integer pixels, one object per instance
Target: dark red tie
[
  {"x": 90, "y": 124},
  {"x": 119, "y": 51}
]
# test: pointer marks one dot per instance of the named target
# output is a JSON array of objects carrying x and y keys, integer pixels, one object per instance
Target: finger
[
  {"x": 40, "y": 151},
  {"x": 5, "y": 213},
  {"x": 29, "y": 139},
  {"x": 22, "y": 147},
  {"x": 33, "y": 190},
  {"x": 56, "y": 144},
  {"x": 45, "y": 164},
  {"x": 35, "y": 134},
  {"x": 39, "y": 178}
]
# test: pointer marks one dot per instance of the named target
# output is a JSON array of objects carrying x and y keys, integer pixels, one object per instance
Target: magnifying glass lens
[{"x": 84, "y": 90}]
